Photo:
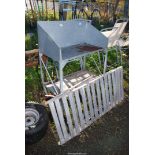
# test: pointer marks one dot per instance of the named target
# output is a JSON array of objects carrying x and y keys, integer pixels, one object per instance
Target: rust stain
[{"x": 87, "y": 47}]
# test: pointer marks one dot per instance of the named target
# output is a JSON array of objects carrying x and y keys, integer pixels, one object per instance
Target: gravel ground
[{"x": 109, "y": 135}]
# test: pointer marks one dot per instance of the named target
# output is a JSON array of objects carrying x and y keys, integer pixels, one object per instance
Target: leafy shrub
[{"x": 31, "y": 41}]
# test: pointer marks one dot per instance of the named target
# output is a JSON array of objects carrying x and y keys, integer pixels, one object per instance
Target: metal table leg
[
  {"x": 105, "y": 60},
  {"x": 41, "y": 72},
  {"x": 61, "y": 77}
]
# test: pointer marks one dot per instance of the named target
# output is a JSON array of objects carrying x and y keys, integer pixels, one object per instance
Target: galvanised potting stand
[
  {"x": 65, "y": 41},
  {"x": 75, "y": 108}
]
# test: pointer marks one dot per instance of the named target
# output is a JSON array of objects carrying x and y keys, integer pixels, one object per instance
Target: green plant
[{"x": 31, "y": 41}]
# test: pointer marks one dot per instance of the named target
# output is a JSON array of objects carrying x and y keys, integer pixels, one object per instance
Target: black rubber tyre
[{"x": 35, "y": 133}]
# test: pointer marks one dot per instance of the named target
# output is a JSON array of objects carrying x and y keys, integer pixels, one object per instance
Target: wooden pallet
[{"x": 77, "y": 108}]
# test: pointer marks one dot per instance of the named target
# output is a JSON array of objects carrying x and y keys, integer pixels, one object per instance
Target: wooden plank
[
  {"x": 103, "y": 94},
  {"x": 110, "y": 89},
  {"x": 61, "y": 119},
  {"x": 74, "y": 112},
  {"x": 94, "y": 99},
  {"x": 114, "y": 87},
  {"x": 83, "y": 94},
  {"x": 122, "y": 90},
  {"x": 82, "y": 121},
  {"x": 56, "y": 121},
  {"x": 34, "y": 51},
  {"x": 90, "y": 102},
  {"x": 106, "y": 91},
  {"x": 31, "y": 64},
  {"x": 119, "y": 79},
  {"x": 99, "y": 97},
  {"x": 68, "y": 116},
  {"x": 118, "y": 84},
  {"x": 116, "y": 79}
]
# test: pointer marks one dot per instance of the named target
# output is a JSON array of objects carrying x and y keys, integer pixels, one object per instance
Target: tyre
[{"x": 36, "y": 122}]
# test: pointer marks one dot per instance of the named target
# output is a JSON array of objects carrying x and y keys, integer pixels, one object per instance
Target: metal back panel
[
  {"x": 54, "y": 35},
  {"x": 76, "y": 109},
  {"x": 65, "y": 33},
  {"x": 47, "y": 46},
  {"x": 94, "y": 37}
]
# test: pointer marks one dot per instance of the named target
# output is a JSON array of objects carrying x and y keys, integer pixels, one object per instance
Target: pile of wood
[{"x": 32, "y": 58}]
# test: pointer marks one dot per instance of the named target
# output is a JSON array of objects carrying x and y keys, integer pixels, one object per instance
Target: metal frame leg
[
  {"x": 84, "y": 62},
  {"x": 81, "y": 63},
  {"x": 99, "y": 58},
  {"x": 61, "y": 77},
  {"x": 116, "y": 54},
  {"x": 103, "y": 56},
  {"x": 121, "y": 53},
  {"x": 56, "y": 69},
  {"x": 42, "y": 74},
  {"x": 96, "y": 65},
  {"x": 105, "y": 61}
]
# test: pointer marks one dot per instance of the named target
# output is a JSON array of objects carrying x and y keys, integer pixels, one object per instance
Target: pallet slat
[
  {"x": 82, "y": 121},
  {"x": 99, "y": 96},
  {"x": 116, "y": 79},
  {"x": 74, "y": 112},
  {"x": 68, "y": 116},
  {"x": 103, "y": 94},
  {"x": 106, "y": 92},
  {"x": 110, "y": 89},
  {"x": 122, "y": 90},
  {"x": 56, "y": 121},
  {"x": 82, "y": 91},
  {"x": 118, "y": 85},
  {"x": 114, "y": 87},
  {"x": 61, "y": 119},
  {"x": 94, "y": 99},
  {"x": 90, "y": 102}
]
